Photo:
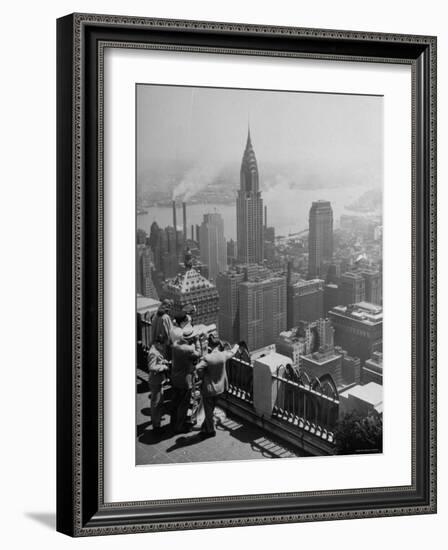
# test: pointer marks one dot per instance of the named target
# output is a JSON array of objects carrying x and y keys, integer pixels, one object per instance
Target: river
[{"x": 287, "y": 210}]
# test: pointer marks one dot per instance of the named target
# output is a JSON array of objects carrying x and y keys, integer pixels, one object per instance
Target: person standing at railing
[
  {"x": 158, "y": 368},
  {"x": 161, "y": 327},
  {"x": 180, "y": 320},
  {"x": 185, "y": 355},
  {"x": 214, "y": 382}
]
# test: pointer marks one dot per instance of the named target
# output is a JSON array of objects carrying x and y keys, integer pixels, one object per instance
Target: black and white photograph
[{"x": 258, "y": 274}]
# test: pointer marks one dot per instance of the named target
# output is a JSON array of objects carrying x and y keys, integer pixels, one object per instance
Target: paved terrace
[{"x": 235, "y": 439}]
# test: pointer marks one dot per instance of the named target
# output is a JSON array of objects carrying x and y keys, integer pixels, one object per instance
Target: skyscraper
[
  {"x": 352, "y": 288},
  {"x": 262, "y": 315},
  {"x": 228, "y": 290},
  {"x": 305, "y": 301},
  {"x": 144, "y": 268},
  {"x": 212, "y": 244},
  {"x": 320, "y": 239},
  {"x": 249, "y": 210},
  {"x": 372, "y": 278}
]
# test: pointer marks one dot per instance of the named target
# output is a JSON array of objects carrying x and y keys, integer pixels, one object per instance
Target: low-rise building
[
  {"x": 372, "y": 370},
  {"x": 363, "y": 400},
  {"x": 358, "y": 328}
]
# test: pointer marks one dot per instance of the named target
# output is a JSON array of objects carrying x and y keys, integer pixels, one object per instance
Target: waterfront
[{"x": 288, "y": 209}]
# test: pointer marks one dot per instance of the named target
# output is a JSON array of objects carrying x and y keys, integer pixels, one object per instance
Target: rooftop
[
  {"x": 309, "y": 282},
  {"x": 370, "y": 393},
  {"x": 366, "y": 312},
  {"x": 145, "y": 304},
  {"x": 272, "y": 360},
  {"x": 241, "y": 440},
  {"x": 189, "y": 281},
  {"x": 320, "y": 358}
]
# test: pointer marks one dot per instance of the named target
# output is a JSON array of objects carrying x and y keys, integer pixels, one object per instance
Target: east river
[{"x": 287, "y": 211}]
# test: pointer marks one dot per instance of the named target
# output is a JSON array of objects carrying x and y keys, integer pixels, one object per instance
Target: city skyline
[
  {"x": 296, "y": 133},
  {"x": 258, "y": 296},
  {"x": 306, "y": 307}
]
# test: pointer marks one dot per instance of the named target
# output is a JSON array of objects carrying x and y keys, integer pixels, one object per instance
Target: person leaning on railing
[
  {"x": 158, "y": 368},
  {"x": 214, "y": 382}
]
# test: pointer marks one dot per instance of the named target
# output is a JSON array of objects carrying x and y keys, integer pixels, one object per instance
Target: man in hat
[
  {"x": 214, "y": 382},
  {"x": 161, "y": 327},
  {"x": 180, "y": 321},
  {"x": 158, "y": 367},
  {"x": 185, "y": 354}
]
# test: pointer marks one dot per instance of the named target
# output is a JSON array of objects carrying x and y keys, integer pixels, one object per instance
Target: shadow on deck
[{"x": 236, "y": 439}]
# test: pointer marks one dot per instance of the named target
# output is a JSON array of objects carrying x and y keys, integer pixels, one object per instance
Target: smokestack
[
  {"x": 175, "y": 223},
  {"x": 174, "y": 215},
  {"x": 265, "y": 217},
  {"x": 184, "y": 212}
]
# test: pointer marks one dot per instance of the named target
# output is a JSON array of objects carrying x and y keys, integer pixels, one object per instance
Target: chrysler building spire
[
  {"x": 249, "y": 206},
  {"x": 249, "y": 168}
]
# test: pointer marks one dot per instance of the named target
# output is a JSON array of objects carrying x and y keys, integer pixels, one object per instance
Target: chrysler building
[{"x": 249, "y": 210}]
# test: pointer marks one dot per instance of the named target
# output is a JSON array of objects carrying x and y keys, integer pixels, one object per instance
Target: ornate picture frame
[{"x": 81, "y": 506}]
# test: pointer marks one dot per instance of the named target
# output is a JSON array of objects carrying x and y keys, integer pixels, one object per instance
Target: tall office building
[
  {"x": 331, "y": 297},
  {"x": 262, "y": 310},
  {"x": 352, "y": 288},
  {"x": 249, "y": 210},
  {"x": 320, "y": 238},
  {"x": 252, "y": 305},
  {"x": 212, "y": 245},
  {"x": 305, "y": 301},
  {"x": 373, "y": 285},
  {"x": 164, "y": 246},
  {"x": 228, "y": 317},
  {"x": 170, "y": 256},
  {"x": 144, "y": 268},
  {"x": 231, "y": 252}
]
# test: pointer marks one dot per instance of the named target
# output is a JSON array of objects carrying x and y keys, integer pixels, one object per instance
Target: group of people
[{"x": 184, "y": 353}]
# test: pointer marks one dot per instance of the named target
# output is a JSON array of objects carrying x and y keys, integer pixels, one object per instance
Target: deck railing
[
  {"x": 309, "y": 404},
  {"x": 240, "y": 377},
  {"x": 312, "y": 409}
]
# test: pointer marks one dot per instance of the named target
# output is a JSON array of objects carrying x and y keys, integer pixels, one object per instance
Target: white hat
[{"x": 188, "y": 332}]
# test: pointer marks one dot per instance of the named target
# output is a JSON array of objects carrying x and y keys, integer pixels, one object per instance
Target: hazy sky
[{"x": 314, "y": 136}]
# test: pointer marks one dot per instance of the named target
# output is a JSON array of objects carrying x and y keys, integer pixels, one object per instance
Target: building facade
[
  {"x": 305, "y": 301},
  {"x": 144, "y": 269},
  {"x": 352, "y": 288},
  {"x": 358, "y": 328},
  {"x": 262, "y": 311},
  {"x": 331, "y": 297},
  {"x": 373, "y": 286},
  {"x": 249, "y": 210},
  {"x": 321, "y": 363},
  {"x": 228, "y": 317},
  {"x": 212, "y": 245},
  {"x": 164, "y": 245},
  {"x": 191, "y": 288},
  {"x": 320, "y": 239},
  {"x": 372, "y": 370}
]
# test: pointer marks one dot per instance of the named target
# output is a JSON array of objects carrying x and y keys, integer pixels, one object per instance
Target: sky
[{"x": 310, "y": 138}]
